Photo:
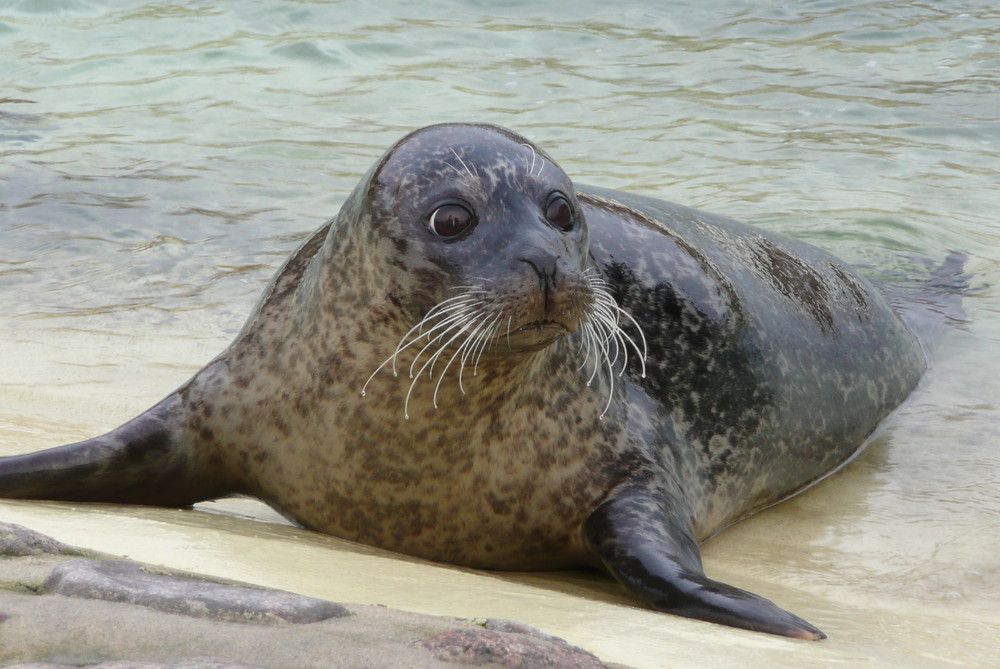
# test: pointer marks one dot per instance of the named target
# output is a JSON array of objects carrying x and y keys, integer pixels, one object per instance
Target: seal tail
[
  {"x": 144, "y": 461},
  {"x": 930, "y": 308}
]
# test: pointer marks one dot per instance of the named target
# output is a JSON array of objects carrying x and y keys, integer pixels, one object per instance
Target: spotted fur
[{"x": 523, "y": 396}]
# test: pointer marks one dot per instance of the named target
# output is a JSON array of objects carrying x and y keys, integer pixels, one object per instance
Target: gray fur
[{"x": 769, "y": 362}]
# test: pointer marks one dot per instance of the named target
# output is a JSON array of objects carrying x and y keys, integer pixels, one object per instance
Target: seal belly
[{"x": 492, "y": 479}]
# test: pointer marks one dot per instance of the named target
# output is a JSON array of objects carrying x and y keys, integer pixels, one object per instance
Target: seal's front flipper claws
[{"x": 644, "y": 539}]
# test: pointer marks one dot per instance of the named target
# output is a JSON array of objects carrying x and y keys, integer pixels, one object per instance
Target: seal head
[
  {"x": 495, "y": 216},
  {"x": 491, "y": 245}
]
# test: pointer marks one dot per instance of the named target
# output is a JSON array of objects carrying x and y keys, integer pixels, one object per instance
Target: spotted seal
[{"x": 480, "y": 363}]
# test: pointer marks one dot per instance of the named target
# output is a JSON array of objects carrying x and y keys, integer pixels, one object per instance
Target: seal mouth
[
  {"x": 533, "y": 335},
  {"x": 542, "y": 326}
]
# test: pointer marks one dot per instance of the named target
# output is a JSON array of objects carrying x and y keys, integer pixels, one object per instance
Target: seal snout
[
  {"x": 546, "y": 269},
  {"x": 552, "y": 298}
]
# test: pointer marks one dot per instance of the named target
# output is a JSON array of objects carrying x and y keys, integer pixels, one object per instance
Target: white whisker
[
  {"x": 451, "y": 323},
  {"x": 480, "y": 337},
  {"x": 437, "y": 386},
  {"x": 592, "y": 349},
  {"x": 603, "y": 337},
  {"x": 457, "y": 171},
  {"x": 463, "y": 163},
  {"x": 584, "y": 347},
  {"x": 531, "y": 168},
  {"x": 600, "y": 345},
  {"x": 445, "y": 324},
  {"x": 465, "y": 350},
  {"x": 487, "y": 336},
  {"x": 429, "y": 363},
  {"x": 452, "y": 304}
]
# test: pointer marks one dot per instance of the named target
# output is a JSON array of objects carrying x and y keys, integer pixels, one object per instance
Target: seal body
[{"x": 480, "y": 363}]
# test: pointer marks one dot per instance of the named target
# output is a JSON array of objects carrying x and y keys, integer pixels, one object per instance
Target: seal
[{"x": 480, "y": 363}]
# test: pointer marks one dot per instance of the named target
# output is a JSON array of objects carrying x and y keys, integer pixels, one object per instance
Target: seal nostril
[
  {"x": 546, "y": 268},
  {"x": 533, "y": 265}
]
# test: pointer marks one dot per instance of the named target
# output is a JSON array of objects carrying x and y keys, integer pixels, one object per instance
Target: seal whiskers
[
  {"x": 604, "y": 339},
  {"x": 455, "y": 153},
  {"x": 609, "y": 314},
  {"x": 478, "y": 331},
  {"x": 463, "y": 318},
  {"x": 455, "y": 309},
  {"x": 470, "y": 321}
]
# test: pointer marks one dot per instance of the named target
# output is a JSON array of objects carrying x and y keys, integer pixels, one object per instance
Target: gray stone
[
  {"x": 134, "y": 584},
  {"x": 18, "y": 541},
  {"x": 127, "y": 664},
  {"x": 46, "y": 631},
  {"x": 525, "y": 648}
]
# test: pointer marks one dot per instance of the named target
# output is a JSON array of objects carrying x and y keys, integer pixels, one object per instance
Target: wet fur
[{"x": 523, "y": 397}]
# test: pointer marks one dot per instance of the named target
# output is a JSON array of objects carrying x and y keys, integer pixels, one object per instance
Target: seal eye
[
  {"x": 559, "y": 213},
  {"x": 449, "y": 220}
]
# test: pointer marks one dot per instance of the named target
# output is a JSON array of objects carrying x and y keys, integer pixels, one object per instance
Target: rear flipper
[
  {"x": 145, "y": 461},
  {"x": 929, "y": 308},
  {"x": 642, "y": 538}
]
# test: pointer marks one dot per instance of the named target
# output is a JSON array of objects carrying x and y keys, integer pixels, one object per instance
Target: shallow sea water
[{"x": 158, "y": 161}]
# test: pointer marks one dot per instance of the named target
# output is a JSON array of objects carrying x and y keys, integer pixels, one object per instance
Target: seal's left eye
[
  {"x": 558, "y": 212},
  {"x": 449, "y": 220}
]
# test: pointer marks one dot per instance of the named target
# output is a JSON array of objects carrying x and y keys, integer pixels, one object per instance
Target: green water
[{"x": 158, "y": 160}]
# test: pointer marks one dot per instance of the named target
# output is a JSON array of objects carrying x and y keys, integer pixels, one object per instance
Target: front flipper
[
  {"x": 148, "y": 460},
  {"x": 643, "y": 537}
]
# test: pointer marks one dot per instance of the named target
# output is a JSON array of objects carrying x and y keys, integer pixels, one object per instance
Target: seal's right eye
[{"x": 450, "y": 220}]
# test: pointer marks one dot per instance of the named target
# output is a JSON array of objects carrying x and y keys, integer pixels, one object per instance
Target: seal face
[
  {"x": 479, "y": 362},
  {"x": 498, "y": 238}
]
